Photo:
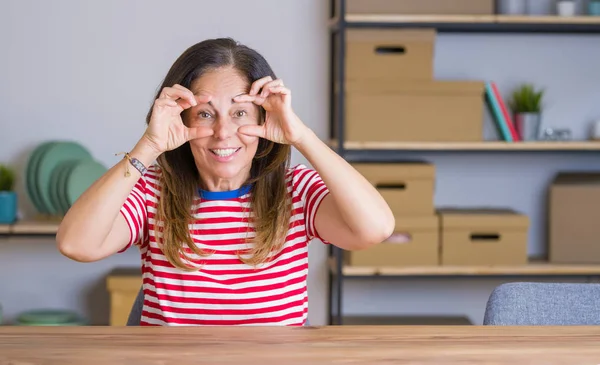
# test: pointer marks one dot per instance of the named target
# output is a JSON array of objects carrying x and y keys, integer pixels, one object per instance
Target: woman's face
[{"x": 223, "y": 159}]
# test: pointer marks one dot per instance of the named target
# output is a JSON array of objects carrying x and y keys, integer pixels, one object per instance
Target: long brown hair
[{"x": 179, "y": 179}]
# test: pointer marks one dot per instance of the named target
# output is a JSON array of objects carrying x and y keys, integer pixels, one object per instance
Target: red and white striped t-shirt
[{"x": 225, "y": 291}]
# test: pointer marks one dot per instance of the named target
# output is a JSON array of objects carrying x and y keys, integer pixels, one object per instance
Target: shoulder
[{"x": 300, "y": 176}]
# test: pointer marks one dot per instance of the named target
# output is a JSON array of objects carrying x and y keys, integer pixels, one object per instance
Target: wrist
[
  {"x": 144, "y": 152},
  {"x": 307, "y": 138}
]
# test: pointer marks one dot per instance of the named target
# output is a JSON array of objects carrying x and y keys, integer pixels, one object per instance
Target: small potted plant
[
  {"x": 8, "y": 197},
  {"x": 594, "y": 7},
  {"x": 526, "y": 105}
]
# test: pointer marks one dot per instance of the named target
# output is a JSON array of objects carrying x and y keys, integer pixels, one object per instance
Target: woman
[{"x": 222, "y": 221}]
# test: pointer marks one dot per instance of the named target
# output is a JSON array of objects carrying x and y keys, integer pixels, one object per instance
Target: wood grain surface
[{"x": 304, "y": 345}]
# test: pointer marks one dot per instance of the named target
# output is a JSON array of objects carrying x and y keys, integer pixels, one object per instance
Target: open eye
[
  {"x": 240, "y": 113},
  {"x": 204, "y": 115}
]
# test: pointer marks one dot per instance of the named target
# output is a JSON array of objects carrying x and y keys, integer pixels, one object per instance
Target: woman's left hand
[{"x": 281, "y": 124}]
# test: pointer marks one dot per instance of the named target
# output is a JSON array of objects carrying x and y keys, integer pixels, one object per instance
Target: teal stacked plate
[
  {"x": 57, "y": 173},
  {"x": 31, "y": 173},
  {"x": 50, "y": 159},
  {"x": 50, "y": 317},
  {"x": 80, "y": 177}
]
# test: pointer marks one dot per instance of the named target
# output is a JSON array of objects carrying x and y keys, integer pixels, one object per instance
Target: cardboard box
[
  {"x": 407, "y": 7},
  {"x": 483, "y": 237},
  {"x": 123, "y": 284},
  {"x": 414, "y": 243},
  {"x": 407, "y": 187},
  {"x": 389, "y": 53},
  {"x": 574, "y": 216},
  {"x": 414, "y": 111}
]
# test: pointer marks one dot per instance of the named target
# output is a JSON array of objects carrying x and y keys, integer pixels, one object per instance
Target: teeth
[{"x": 224, "y": 152}]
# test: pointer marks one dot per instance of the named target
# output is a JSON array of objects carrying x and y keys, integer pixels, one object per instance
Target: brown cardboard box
[
  {"x": 123, "y": 284},
  {"x": 389, "y": 53},
  {"x": 414, "y": 243},
  {"x": 415, "y": 111},
  {"x": 454, "y": 7},
  {"x": 407, "y": 187},
  {"x": 483, "y": 237},
  {"x": 574, "y": 216}
]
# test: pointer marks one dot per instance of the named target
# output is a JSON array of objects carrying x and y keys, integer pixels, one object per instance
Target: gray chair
[
  {"x": 543, "y": 304},
  {"x": 136, "y": 309}
]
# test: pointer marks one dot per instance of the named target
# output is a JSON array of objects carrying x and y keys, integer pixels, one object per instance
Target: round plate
[
  {"x": 52, "y": 158},
  {"x": 81, "y": 177},
  {"x": 47, "y": 317},
  {"x": 63, "y": 202},
  {"x": 30, "y": 175},
  {"x": 55, "y": 187}
]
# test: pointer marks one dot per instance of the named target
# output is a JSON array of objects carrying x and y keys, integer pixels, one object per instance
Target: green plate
[
  {"x": 81, "y": 177},
  {"x": 48, "y": 317},
  {"x": 30, "y": 176},
  {"x": 63, "y": 202},
  {"x": 52, "y": 157},
  {"x": 55, "y": 187}
]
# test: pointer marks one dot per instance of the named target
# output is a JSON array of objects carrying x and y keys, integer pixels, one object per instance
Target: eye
[
  {"x": 240, "y": 113},
  {"x": 204, "y": 115}
]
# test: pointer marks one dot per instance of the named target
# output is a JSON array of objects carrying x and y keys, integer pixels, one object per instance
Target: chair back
[
  {"x": 135, "y": 315},
  {"x": 543, "y": 304}
]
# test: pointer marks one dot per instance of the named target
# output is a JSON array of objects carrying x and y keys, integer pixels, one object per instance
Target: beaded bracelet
[{"x": 134, "y": 162}]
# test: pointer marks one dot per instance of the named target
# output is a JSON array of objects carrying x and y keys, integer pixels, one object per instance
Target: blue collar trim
[{"x": 222, "y": 195}]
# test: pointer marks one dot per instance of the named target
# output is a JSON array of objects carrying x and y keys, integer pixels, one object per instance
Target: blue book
[{"x": 497, "y": 113}]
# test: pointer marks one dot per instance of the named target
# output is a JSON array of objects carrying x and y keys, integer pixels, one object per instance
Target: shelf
[
  {"x": 473, "y": 146},
  {"x": 30, "y": 228},
  {"x": 534, "y": 268},
  {"x": 477, "y": 23}
]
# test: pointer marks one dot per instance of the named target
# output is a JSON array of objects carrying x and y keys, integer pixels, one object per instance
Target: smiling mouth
[{"x": 224, "y": 152}]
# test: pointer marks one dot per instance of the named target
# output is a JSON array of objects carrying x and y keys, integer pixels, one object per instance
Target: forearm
[
  {"x": 91, "y": 218},
  {"x": 361, "y": 206}
]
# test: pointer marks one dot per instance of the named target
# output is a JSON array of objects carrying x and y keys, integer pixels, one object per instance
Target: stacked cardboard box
[
  {"x": 408, "y": 188},
  {"x": 574, "y": 213},
  {"x": 483, "y": 237},
  {"x": 421, "y": 7},
  {"x": 391, "y": 93}
]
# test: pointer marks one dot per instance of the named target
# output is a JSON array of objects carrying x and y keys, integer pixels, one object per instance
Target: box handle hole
[
  {"x": 485, "y": 237},
  {"x": 397, "y": 186},
  {"x": 394, "y": 50}
]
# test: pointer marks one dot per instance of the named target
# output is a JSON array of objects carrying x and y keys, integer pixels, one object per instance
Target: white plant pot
[{"x": 565, "y": 7}]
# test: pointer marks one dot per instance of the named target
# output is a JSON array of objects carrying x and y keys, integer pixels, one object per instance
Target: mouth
[{"x": 224, "y": 152}]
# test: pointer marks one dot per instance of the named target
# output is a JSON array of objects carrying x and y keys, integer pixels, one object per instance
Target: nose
[{"x": 224, "y": 128}]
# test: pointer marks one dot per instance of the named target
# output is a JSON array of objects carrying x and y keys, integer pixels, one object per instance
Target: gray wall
[{"x": 87, "y": 71}]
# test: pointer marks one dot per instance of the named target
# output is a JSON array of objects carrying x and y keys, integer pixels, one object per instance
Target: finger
[
  {"x": 245, "y": 98},
  {"x": 258, "y": 84},
  {"x": 165, "y": 102},
  {"x": 279, "y": 90},
  {"x": 175, "y": 93},
  {"x": 269, "y": 85},
  {"x": 198, "y": 132},
  {"x": 253, "y": 130},
  {"x": 202, "y": 99}
]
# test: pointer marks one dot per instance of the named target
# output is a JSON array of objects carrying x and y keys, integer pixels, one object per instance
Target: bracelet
[{"x": 134, "y": 162}]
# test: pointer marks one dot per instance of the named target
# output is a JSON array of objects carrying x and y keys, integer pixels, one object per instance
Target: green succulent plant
[
  {"x": 7, "y": 178},
  {"x": 526, "y": 99}
]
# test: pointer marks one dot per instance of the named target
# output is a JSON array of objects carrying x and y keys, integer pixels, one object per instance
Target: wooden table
[{"x": 303, "y": 345}]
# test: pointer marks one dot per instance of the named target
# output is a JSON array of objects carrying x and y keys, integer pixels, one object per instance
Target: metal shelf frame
[{"x": 338, "y": 24}]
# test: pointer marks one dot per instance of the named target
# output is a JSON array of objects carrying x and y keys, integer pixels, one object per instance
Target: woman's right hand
[{"x": 166, "y": 130}]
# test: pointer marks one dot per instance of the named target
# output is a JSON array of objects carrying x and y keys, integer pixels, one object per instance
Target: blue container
[
  {"x": 594, "y": 7},
  {"x": 8, "y": 207}
]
